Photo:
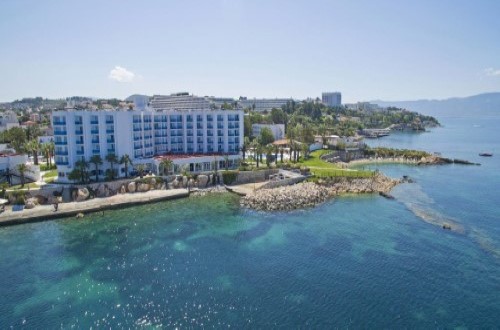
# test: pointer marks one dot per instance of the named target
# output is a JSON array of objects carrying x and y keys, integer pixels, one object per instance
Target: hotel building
[
  {"x": 331, "y": 99},
  {"x": 194, "y": 136}
]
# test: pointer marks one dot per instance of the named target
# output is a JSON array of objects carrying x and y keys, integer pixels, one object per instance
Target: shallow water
[{"x": 354, "y": 262}]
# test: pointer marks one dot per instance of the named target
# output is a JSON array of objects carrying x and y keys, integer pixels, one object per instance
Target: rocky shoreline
[{"x": 312, "y": 193}]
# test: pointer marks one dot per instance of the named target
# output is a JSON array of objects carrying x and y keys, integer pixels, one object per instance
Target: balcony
[
  {"x": 110, "y": 131},
  {"x": 137, "y": 121},
  {"x": 61, "y": 143},
  {"x": 137, "y": 138},
  {"x": 111, "y": 151},
  {"x": 109, "y": 121},
  {"x": 79, "y": 142},
  {"x": 80, "y": 152},
  {"x": 94, "y": 122},
  {"x": 137, "y": 129},
  {"x": 95, "y": 140},
  {"x": 94, "y": 131},
  {"x": 61, "y": 153},
  {"x": 62, "y": 163},
  {"x": 110, "y": 140},
  {"x": 59, "y": 123},
  {"x": 96, "y": 151},
  {"x": 138, "y": 146},
  {"x": 78, "y": 122},
  {"x": 60, "y": 132},
  {"x": 79, "y": 132}
]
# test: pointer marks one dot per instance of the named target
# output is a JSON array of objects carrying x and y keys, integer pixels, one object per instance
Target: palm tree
[
  {"x": 269, "y": 154},
  {"x": 96, "y": 160},
  {"x": 282, "y": 150},
  {"x": 245, "y": 146},
  {"x": 35, "y": 145},
  {"x": 226, "y": 162},
  {"x": 112, "y": 160},
  {"x": 23, "y": 169},
  {"x": 165, "y": 164},
  {"x": 140, "y": 168},
  {"x": 258, "y": 153},
  {"x": 51, "y": 149},
  {"x": 45, "y": 151},
  {"x": 82, "y": 165},
  {"x": 276, "y": 149},
  {"x": 126, "y": 161}
]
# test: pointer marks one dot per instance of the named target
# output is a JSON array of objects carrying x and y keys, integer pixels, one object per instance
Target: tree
[
  {"x": 46, "y": 153},
  {"x": 226, "y": 162},
  {"x": 258, "y": 153},
  {"x": 278, "y": 116},
  {"x": 75, "y": 175},
  {"x": 51, "y": 147},
  {"x": 282, "y": 150},
  {"x": 82, "y": 165},
  {"x": 140, "y": 168},
  {"x": 247, "y": 126},
  {"x": 112, "y": 160},
  {"x": 34, "y": 147},
  {"x": 305, "y": 150},
  {"x": 266, "y": 136},
  {"x": 165, "y": 166},
  {"x": 96, "y": 160},
  {"x": 276, "y": 149},
  {"x": 23, "y": 169},
  {"x": 126, "y": 161},
  {"x": 16, "y": 137},
  {"x": 269, "y": 154},
  {"x": 245, "y": 146}
]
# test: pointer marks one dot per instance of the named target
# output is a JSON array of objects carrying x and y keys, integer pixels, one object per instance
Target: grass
[
  {"x": 320, "y": 168},
  {"x": 50, "y": 176},
  {"x": 26, "y": 186}
]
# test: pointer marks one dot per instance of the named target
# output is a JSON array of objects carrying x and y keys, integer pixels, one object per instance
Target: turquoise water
[{"x": 357, "y": 262}]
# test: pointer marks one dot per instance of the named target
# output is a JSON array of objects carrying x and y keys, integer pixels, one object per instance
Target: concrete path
[{"x": 46, "y": 212}]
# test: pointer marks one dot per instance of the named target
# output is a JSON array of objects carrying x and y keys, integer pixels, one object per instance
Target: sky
[{"x": 368, "y": 50}]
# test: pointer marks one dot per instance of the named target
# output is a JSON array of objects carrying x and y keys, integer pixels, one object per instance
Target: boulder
[
  {"x": 184, "y": 181},
  {"x": 142, "y": 187},
  {"x": 123, "y": 190},
  {"x": 131, "y": 187},
  {"x": 152, "y": 182},
  {"x": 175, "y": 184},
  {"x": 41, "y": 199},
  {"x": 81, "y": 194},
  {"x": 80, "y": 215},
  {"x": 202, "y": 181},
  {"x": 30, "y": 203},
  {"x": 170, "y": 185}
]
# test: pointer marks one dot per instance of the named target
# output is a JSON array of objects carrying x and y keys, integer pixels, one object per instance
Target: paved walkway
[{"x": 46, "y": 212}]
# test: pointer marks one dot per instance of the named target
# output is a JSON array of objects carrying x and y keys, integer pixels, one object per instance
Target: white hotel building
[{"x": 197, "y": 138}]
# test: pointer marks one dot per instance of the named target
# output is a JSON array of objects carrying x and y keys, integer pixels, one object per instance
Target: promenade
[{"x": 46, "y": 212}]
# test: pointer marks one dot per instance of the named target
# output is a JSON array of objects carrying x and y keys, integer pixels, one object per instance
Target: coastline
[{"x": 46, "y": 212}]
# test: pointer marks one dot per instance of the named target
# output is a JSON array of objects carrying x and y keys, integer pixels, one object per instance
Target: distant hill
[{"x": 482, "y": 104}]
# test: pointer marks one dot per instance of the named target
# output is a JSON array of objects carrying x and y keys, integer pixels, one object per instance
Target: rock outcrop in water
[{"x": 309, "y": 194}]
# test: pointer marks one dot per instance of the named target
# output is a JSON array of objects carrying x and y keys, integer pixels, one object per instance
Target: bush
[
  {"x": 229, "y": 177},
  {"x": 44, "y": 167}
]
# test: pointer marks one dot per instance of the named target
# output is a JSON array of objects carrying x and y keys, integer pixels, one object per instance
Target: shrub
[
  {"x": 44, "y": 167},
  {"x": 229, "y": 177}
]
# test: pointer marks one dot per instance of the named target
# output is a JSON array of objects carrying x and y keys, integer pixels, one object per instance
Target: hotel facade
[{"x": 199, "y": 139}]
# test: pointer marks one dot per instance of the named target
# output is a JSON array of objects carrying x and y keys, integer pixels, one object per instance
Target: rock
[
  {"x": 184, "y": 181},
  {"x": 81, "y": 194},
  {"x": 102, "y": 191},
  {"x": 131, "y": 187},
  {"x": 153, "y": 182},
  {"x": 446, "y": 226},
  {"x": 191, "y": 183},
  {"x": 41, "y": 199},
  {"x": 80, "y": 215},
  {"x": 170, "y": 185},
  {"x": 142, "y": 187},
  {"x": 175, "y": 184},
  {"x": 30, "y": 203},
  {"x": 202, "y": 181},
  {"x": 123, "y": 190}
]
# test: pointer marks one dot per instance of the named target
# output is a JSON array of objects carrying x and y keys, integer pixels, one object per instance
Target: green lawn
[
  {"x": 321, "y": 168},
  {"x": 26, "y": 186},
  {"x": 50, "y": 176}
]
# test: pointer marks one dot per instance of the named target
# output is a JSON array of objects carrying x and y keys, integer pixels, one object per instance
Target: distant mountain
[{"x": 482, "y": 104}]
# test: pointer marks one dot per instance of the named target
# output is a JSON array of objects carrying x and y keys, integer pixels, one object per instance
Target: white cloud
[
  {"x": 492, "y": 72},
  {"x": 121, "y": 74}
]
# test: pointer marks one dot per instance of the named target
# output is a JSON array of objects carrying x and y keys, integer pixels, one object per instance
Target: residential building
[
  {"x": 261, "y": 105},
  {"x": 179, "y": 101},
  {"x": 8, "y": 119},
  {"x": 146, "y": 136},
  {"x": 331, "y": 99},
  {"x": 278, "y": 130}
]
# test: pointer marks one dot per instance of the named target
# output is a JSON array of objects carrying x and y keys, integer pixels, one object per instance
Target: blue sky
[{"x": 390, "y": 50}]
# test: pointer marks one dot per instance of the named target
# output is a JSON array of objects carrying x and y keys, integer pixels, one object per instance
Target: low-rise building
[
  {"x": 261, "y": 105},
  {"x": 8, "y": 119}
]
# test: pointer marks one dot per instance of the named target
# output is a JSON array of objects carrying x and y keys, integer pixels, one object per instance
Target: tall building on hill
[
  {"x": 195, "y": 136},
  {"x": 260, "y": 105},
  {"x": 331, "y": 99}
]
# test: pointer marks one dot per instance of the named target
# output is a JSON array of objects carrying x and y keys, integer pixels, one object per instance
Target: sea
[{"x": 205, "y": 262}]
